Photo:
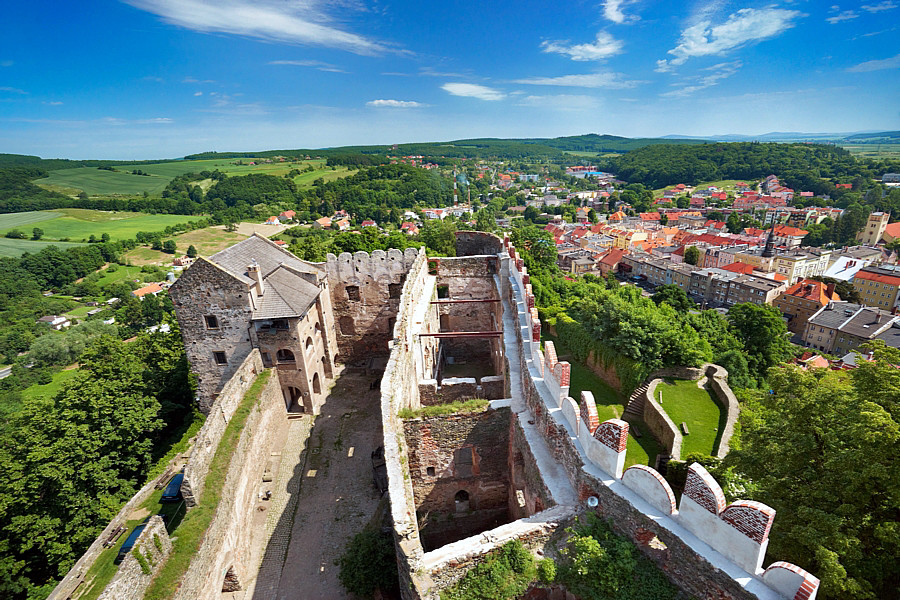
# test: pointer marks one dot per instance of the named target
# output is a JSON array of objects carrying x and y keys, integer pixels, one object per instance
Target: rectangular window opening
[
  {"x": 220, "y": 357},
  {"x": 353, "y": 293},
  {"x": 212, "y": 322}
]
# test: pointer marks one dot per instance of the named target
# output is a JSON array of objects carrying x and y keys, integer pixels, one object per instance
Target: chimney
[
  {"x": 254, "y": 274},
  {"x": 829, "y": 291}
]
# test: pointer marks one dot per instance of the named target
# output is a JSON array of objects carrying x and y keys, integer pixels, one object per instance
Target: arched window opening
[
  {"x": 309, "y": 343},
  {"x": 461, "y": 500},
  {"x": 285, "y": 356},
  {"x": 317, "y": 386},
  {"x": 318, "y": 328}
]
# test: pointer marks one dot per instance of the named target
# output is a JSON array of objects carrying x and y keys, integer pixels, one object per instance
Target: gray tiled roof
[
  {"x": 853, "y": 319},
  {"x": 285, "y": 294},
  {"x": 834, "y": 314},
  {"x": 267, "y": 255}
]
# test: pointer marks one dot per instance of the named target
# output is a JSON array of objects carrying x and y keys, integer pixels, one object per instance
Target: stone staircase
[{"x": 635, "y": 404}]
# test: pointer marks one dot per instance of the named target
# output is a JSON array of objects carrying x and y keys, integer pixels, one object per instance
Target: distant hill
[
  {"x": 860, "y": 137},
  {"x": 476, "y": 148},
  {"x": 53, "y": 164}
]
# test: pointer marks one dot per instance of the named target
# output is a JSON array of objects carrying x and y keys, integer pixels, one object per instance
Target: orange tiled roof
[
  {"x": 810, "y": 289},
  {"x": 878, "y": 277}
]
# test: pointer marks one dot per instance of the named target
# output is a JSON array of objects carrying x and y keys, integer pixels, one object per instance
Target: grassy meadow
[
  {"x": 77, "y": 224},
  {"x": 207, "y": 241},
  {"x": 100, "y": 182}
]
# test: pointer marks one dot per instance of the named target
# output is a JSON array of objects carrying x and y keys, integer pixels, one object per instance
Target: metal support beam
[
  {"x": 463, "y": 334},
  {"x": 447, "y": 301}
]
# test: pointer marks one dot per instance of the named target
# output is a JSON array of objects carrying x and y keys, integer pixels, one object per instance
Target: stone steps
[{"x": 635, "y": 404}]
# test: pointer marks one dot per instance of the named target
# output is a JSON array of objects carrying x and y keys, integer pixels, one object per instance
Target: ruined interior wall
[
  {"x": 525, "y": 477},
  {"x": 365, "y": 325},
  {"x": 205, "y": 289},
  {"x": 435, "y": 442},
  {"x": 227, "y": 541},
  {"x": 210, "y": 434},
  {"x": 399, "y": 389},
  {"x": 659, "y": 423}
]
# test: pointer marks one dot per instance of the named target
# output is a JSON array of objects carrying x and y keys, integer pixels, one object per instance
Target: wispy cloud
[
  {"x": 612, "y": 10},
  {"x": 745, "y": 26},
  {"x": 881, "y": 6},
  {"x": 198, "y": 93},
  {"x": 876, "y": 65},
  {"x": 847, "y": 15},
  {"x": 6, "y": 63},
  {"x": 195, "y": 80},
  {"x": 395, "y": 104},
  {"x": 306, "y": 22},
  {"x": 12, "y": 90},
  {"x": 712, "y": 76},
  {"x": 589, "y": 80},
  {"x": 473, "y": 90},
  {"x": 52, "y": 103},
  {"x": 561, "y": 102},
  {"x": 602, "y": 48},
  {"x": 315, "y": 64}
]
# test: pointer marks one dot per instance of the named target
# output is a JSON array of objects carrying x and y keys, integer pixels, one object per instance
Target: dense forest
[{"x": 808, "y": 167}]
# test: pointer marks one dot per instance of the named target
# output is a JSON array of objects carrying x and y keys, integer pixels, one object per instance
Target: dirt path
[{"x": 336, "y": 498}]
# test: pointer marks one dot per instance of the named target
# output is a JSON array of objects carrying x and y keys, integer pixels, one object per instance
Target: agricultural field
[
  {"x": 77, "y": 224},
  {"x": 207, "y": 241},
  {"x": 878, "y": 151},
  {"x": 16, "y": 248},
  {"x": 100, "y": 182}
]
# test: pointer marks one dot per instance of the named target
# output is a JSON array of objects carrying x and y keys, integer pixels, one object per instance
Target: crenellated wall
[
  {"x": 708, "y": 549},
  {"x": 365, "y": 298}
]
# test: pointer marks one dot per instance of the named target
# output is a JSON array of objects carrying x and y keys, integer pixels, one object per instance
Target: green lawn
[
  {"x": 16, "y": 248},
  {"x": 49, "y": 389},
  {"x": 77, "y": 224},
  {"x": 120, "y": 274},
  {"x": 610, "y": 405},
  {"x": 724, "y": 184},
  {"x": 684, "y": 402}
]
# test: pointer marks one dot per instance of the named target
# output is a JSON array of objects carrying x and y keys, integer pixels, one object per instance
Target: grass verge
[
  {"x": 460, "y": 406},
  {"x": 194, "y": 525}
]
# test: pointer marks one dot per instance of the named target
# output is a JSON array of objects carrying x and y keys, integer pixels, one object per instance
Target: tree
[
  {"x": 37, "y": 233},
  {"x": 592, "y": 215},
  {"x": 674, "y": 296},
  {"x": 821, "y": 450},
  {"x": 531, "y": 213},
  {"x": 15, "y": 234},
  {"x": 692, "y": 255},
  {"x": 763, "y": 333},
  {"x": 104, "y": 238},
  {"x": 191, "y": 251},
  {"x": 663, "y": 219},
  {"x": 169, "y": 246},
  {"x": 733, "y": 223},
  {"x": 682, "y": 202}
]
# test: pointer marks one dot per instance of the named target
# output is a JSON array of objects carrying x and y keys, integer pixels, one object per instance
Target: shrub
[
  {"x": 546, "y": 570},
  {"x": 505, "y": 574},
  {"x": 368, "y": 563}
]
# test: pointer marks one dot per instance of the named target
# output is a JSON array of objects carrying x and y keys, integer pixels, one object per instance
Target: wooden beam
[
  {"x": 463, "y": 334},
  {"x": 447, "y": 301}
]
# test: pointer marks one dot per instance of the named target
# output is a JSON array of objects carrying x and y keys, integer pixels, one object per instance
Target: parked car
[
  {"x": 172, "y": 493},
  {"x": 130, "y": 541}
]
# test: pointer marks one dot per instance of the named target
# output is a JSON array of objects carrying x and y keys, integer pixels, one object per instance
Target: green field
[
  {"x": 684, "y": 402},
  {"x": 77, "y": 224},
  {"x": 724, "y": 184},
  {"x": 99, "y": 182},
  {"x": 879, "y": 151},
  {"x": 16, "y": 248},
  {"x": 50, "y": 389},
  {"x": 121, "y": 274},
  {"x": 207, "y": 241}
]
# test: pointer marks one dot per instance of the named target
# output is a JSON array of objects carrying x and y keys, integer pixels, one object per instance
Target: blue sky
[{"x": 163, "y": 78}]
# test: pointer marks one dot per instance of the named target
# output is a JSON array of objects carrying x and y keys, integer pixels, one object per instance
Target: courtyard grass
[
  {"x": 450, "y": 408},
  {"x": 684, "y": 402},
  {"x": 193, "y": 527}
]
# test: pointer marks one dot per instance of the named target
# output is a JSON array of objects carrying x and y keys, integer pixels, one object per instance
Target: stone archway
[{"x": 293, "y": 397}]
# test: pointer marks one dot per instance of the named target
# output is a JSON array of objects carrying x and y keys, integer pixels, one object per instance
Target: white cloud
[
  {"x": 590, "y": 80},
  {"x": 315, "y": 64},
  {"x": 52, "y": 103},
  {"x": 602, "y": 48},
  {"x": 877, "y": 65},
  {"x": 847, "y": 15},
  {"x": 395, "y": 104},
  {"x": 12, "y": 90},
  {"x": 473, "y": 90},
  {"x": 612, "y": 10},
  {"x": 700, "y": 82},
  {"x": 303, "y": 22},
  {"x": 742, "y": 27},
  {"x": 874, "y": 8},
  {"x": 562, "y": 102},
  {"x": 190, "y": 79},
  {"x": 198, "y": 93}
]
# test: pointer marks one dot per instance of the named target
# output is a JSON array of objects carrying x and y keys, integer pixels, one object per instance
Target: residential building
[
  {"x": 57, "y": 322},
  {"x": 152, "y": 289},
  {"x": 874, "y": 229},
  {"x": 272, "y": 221},
  {"x": 609, "y": 262},
  {"x": 323, "y": 223},
  {"x": 839, "y": 327},
  {"x": 802, "y": 300},
  {"x": 878, "y": 286}
]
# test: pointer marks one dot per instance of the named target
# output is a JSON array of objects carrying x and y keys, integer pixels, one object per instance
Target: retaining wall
[{"x": 130, "y": 581}]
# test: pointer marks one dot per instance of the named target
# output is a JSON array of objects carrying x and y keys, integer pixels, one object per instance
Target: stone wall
[
  {"x": 205, "y": 289},
  {"x": 130, "y": 581},
  {"x": 659, "y": 423},
  {"x": 365, "y": 298},
  {"x": 474, "y": 243},
  {"x": 210, "y": 434},
  {"x": 227, "y": 541},
  {"x": 76, "y": 574}
]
